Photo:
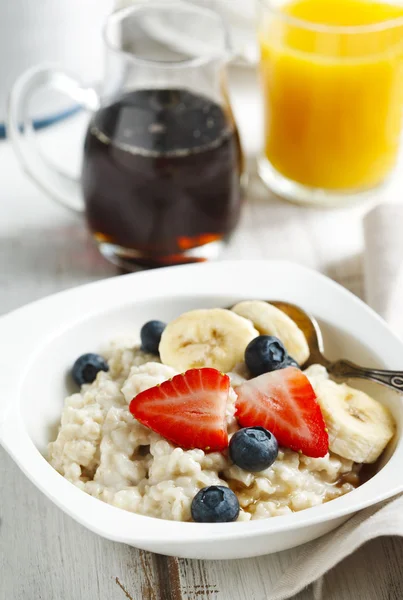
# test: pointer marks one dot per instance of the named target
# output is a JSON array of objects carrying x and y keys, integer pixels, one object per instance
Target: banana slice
[
  {"x": 213, "y": 337},
  {"x": 269, "y": 320},
  {"x": 359, "y": 426}
]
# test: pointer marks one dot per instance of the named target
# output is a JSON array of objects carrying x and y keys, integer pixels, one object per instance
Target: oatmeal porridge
[{"x": 160, "y": 423}]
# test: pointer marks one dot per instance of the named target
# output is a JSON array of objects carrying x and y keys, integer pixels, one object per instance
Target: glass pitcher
[{"x": 161, "y": 179}]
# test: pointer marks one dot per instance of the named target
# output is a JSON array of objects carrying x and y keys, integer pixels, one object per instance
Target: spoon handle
[{"x": 345, "y": 368}]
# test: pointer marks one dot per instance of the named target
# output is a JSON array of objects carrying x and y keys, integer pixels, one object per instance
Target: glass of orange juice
[{"x": 332, "y": 78}]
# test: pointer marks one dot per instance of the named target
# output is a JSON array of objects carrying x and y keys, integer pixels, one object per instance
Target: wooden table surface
[{"x": 44, "y": 554}]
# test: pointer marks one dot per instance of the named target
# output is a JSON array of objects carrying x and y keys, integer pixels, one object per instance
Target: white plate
[
  {"x": 41, "y": 341},
  {"x": 67, "y": 34}
]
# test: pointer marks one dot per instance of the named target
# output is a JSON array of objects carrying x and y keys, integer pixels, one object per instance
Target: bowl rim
[{"x": 29, "y": 329}]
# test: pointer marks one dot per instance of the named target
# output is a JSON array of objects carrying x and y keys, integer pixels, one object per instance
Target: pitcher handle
[{"x": 60, "y": 186}]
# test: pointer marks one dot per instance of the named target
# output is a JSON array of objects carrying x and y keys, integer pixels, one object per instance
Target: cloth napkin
[
  {"x": 239, "y": 16},
  {"x": 383, "y": 277}
]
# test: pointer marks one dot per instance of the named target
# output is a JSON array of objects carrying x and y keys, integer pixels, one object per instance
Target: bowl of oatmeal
[{"x": 157, "y": 417}]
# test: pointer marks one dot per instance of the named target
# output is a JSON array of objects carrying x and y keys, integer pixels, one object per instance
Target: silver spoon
[{"x": 339, "y": 368}]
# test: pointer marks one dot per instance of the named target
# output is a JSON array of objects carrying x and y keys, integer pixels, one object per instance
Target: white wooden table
[{"x": 44, "y": 554}]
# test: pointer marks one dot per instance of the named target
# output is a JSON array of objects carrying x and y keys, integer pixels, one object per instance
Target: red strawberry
[
  {"x": 189, "y": 409},
  {"x": 284, "y": 402}
]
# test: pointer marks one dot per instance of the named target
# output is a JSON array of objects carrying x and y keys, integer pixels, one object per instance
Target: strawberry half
[
  {"x": 284, "y": 402},
  {"x": 189, "y": 409}
]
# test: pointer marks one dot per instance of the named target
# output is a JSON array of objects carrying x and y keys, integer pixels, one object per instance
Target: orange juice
[{"x": 333, "y": 97}]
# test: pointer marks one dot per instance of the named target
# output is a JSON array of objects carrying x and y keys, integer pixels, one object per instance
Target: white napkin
[
  {"x": 383, "y": 275},
  {"x": 383, "y": 263},
  {"x": 239, "y": 16}
]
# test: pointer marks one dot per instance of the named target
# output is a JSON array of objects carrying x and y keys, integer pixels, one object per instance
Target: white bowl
[{"x": 39, "y": 343}]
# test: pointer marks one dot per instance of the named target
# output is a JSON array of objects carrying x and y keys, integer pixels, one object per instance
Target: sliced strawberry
[
  {"x": 284, "y": 402},
  {"x": 189, "y": 409}
]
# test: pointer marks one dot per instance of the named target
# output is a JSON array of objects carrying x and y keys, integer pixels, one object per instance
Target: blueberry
[
  {"x": 253, "y": 449},
  {"x": 265, "y": 353},
  {"x": 291, "y": 362},
  {"x": 150, "y": 336},
  {"x": 86, "y": 368},
  {"x": 215, "y": 504}
]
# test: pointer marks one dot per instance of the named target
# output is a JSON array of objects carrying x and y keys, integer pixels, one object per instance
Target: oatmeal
[{"x": 104, "y": 450}]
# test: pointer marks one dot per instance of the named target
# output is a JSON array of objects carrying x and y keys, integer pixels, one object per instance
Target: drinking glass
[
  {"x": 333, "y": 97},
  {"x": 161, "y": 179}
]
